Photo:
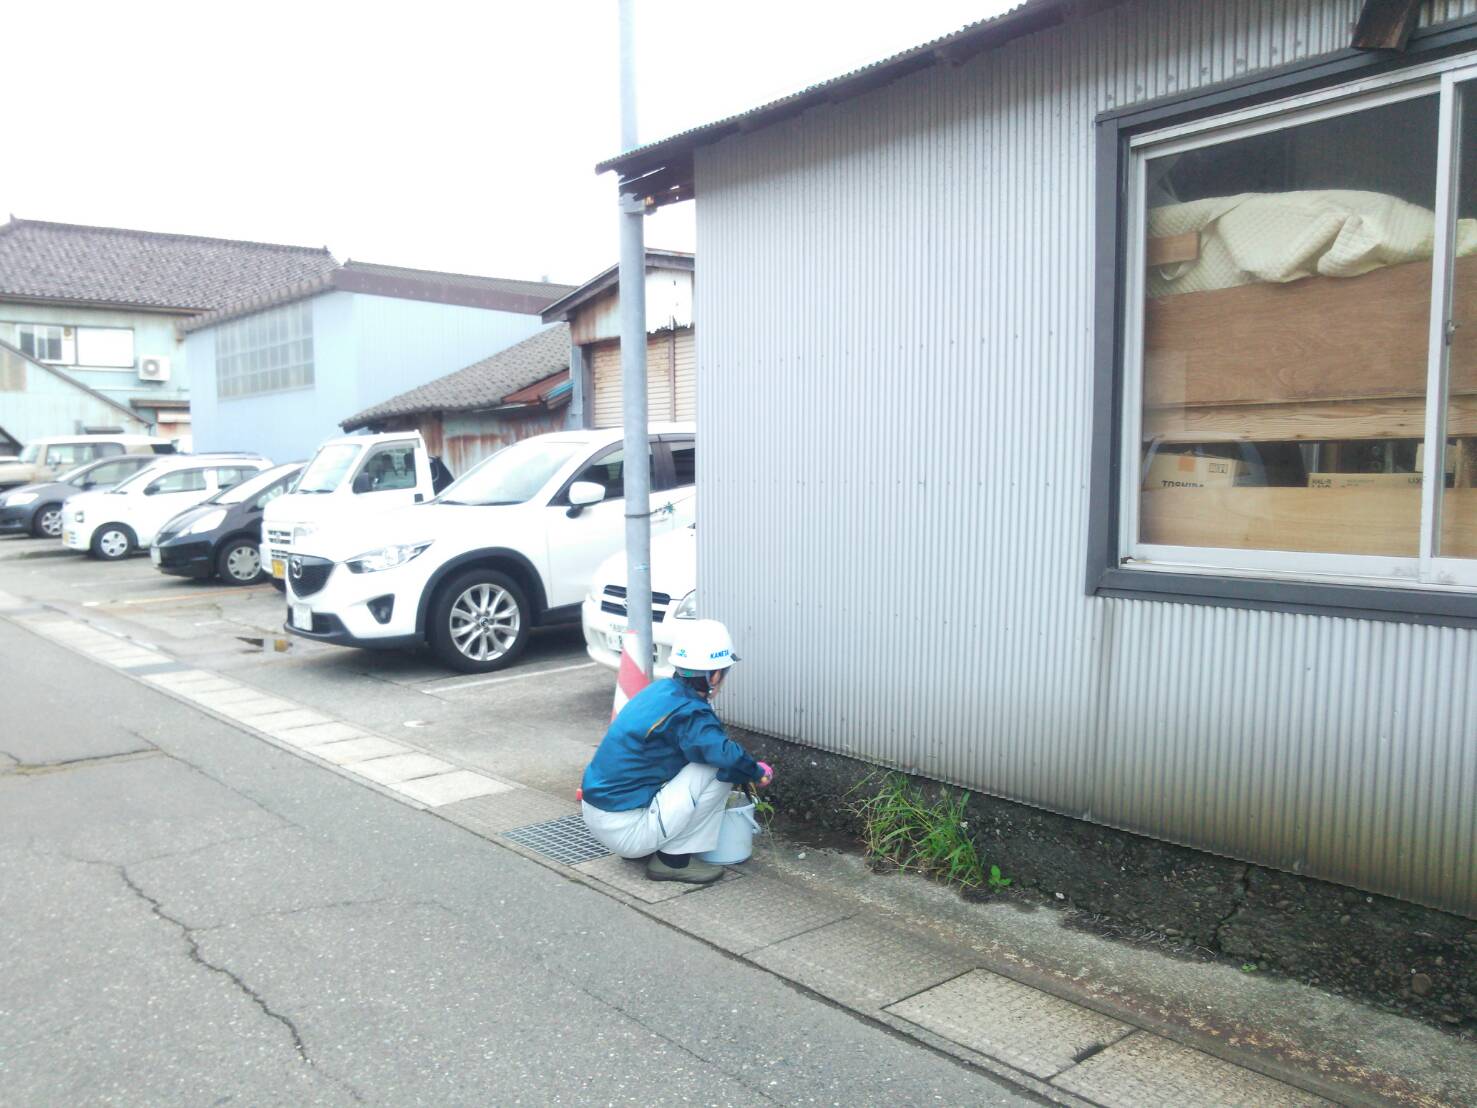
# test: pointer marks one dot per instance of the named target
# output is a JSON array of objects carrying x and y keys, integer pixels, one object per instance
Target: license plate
[
  {"x": 613, "y": 642},
  {"x": 302, "y": 617},
  {"x": 154, "y": 555},
  {"x": 279, "y": 569}
]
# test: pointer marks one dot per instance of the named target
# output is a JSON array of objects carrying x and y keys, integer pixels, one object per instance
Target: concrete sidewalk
[{"x": 1071, "y": 1016}]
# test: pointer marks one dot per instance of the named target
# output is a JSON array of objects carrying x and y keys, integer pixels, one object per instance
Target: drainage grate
[{"x": 564, "y": 839}]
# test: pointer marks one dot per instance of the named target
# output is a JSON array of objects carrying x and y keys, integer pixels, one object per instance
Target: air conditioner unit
[{"x": 153, "y": 369}]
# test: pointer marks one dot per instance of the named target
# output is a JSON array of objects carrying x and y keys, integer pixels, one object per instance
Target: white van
[
  {"x": 46, "y": 459},
  {"x": 350, "y": 476},
  {"x": 112, "y": 524}
]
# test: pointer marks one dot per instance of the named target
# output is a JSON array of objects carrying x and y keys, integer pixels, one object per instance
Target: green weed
[
  {"x": 997, "y": 879},
  {"x": 899, "y": 825}
]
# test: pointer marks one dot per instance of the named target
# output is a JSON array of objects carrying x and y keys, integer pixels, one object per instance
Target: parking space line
[
  {"x": 131, "y": 602},
  {"x": 501, "y": 680}
]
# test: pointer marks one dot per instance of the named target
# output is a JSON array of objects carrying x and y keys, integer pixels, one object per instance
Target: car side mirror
[
  {"x": 150, "y": 490},
  {"x": 362, "y": 483},
  {"x": 582, "y": 494},
  {"x": 420, "y": 497}
]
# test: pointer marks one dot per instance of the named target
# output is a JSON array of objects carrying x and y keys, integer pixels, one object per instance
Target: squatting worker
[{"x": 660, "y": 779}]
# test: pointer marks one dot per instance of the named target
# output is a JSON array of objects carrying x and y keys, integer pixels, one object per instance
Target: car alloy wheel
[
  {"x": 49, "y": 521},
  {"x": 241, "y": 563},
  {"x": 484, "y": 622}
]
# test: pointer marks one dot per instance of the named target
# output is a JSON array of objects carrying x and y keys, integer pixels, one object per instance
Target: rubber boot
[{"x": 696, "y": 872}]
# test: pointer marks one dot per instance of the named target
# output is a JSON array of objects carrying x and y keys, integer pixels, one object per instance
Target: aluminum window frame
[{"x": 1437, "y": 591}]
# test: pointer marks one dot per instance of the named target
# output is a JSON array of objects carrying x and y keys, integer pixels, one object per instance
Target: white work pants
[{"x": 683, "y": 817}]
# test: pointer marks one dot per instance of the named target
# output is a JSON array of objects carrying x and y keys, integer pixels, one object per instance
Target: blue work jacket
[{"x": 661, "y": 729}]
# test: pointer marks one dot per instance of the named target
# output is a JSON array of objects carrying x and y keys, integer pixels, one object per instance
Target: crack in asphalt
[
  {"x": 1238, "y": 903},
  {"x": 194, "y": 953},
  {"x": 36, "y": 769},
  {"x": 232, "y": 789}
]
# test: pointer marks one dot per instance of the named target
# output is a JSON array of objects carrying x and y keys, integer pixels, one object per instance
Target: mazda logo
[{"x": 296, "y": 565}]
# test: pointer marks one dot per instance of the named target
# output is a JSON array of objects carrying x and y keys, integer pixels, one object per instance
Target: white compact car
[
  {"x": 112, "y": 524},
  {"x": 673, "y": 599},
  {"x": 509, "y": 546},
  {"x": 354, "y": 475}
]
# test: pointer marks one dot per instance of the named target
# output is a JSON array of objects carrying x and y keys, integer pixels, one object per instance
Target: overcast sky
[{"x": 457, "y": 136}]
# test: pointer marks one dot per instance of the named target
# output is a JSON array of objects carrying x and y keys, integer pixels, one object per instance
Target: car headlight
[
  {"x": 208, "y": 522},
  {"x": 386, "y": 557},
  {"x": 302, "y": 531},
  {"x": 688, "y": 608},
  {"x": 16, "y": 499}
]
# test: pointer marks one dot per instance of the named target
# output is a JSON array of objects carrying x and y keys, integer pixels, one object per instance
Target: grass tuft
[{"x": 900, "y": 826}]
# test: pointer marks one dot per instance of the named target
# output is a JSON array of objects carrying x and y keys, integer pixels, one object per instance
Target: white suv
[
  {"x": 509, "y": 546},
  {"x": 112, "y": 524}
]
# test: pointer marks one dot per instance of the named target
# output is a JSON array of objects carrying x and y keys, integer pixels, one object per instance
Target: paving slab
[
  {"x": 220, "y": 698},
  {"x": 447, "y": 788},
  {"x": 356, "y": 750},
  {"x": 1031, "y": 1030},
  {"x": 630, "y": 877},
  {"x": 318, "y": 734},
  {"x": 1149, "y": 1071},
  {"x": 275, "y": 723},
  {"x": 742, "y": 916},
  {"x": 260, "y": 705},
  {"x": 395, "y": 768},
  {"x": 864, "y": 963},
  {"x": 492, "y": 815}
]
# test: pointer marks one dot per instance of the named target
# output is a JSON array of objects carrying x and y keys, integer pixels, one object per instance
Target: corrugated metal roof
[
  {"x": 375, "y": 279},
  {"x": 76, "y": 263},
  {"x": 484, "y": 384},
  {"x": 665, "y": 167}
]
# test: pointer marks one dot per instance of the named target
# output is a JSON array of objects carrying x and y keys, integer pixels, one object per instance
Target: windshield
[
  {"x": 72, "y": 476},
  {"x": 253, "y": 485},
  {"x": 29, "y": 453},
  {"x": 328, "y": 468},
  {"x": 510, "y": 476}
]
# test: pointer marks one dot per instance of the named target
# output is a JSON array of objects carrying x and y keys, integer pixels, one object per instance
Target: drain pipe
[{"x": 633, "y": 368}]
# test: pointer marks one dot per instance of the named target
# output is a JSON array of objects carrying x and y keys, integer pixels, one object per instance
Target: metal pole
[{"x": 633, "y": 368}]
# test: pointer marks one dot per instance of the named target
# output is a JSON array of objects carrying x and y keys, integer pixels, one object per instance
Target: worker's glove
[{"x": 768, "y": 774}]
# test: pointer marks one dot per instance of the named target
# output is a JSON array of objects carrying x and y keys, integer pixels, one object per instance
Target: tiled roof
[
  {"x": 494, "y": 293},
  {"x": 112, "y": 265},
  {"x": 481, "y": 385}
]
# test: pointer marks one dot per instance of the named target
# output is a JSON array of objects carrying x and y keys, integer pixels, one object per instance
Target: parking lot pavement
[{"x": 536, "y": 722}]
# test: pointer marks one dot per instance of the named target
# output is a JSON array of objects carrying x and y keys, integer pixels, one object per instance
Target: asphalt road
[{"x": 194, "y": 916}]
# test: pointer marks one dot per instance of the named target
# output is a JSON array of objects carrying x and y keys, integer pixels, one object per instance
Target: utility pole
[{"x": 633, "y": 367}]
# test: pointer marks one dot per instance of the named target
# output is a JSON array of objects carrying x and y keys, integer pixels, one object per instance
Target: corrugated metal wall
[{"x": 896, "y": 391}]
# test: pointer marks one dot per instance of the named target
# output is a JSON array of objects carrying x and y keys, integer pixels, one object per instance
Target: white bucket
[{"x": 736, "y": 834}]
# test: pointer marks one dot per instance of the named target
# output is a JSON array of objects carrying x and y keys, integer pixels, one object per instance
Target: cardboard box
[
  {"x": 1190, "y": 471},
  {"x": 1364, "y": 480}
]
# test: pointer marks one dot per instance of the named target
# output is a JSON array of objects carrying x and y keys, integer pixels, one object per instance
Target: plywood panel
[
  {"x": 1321, "y": 338},
  {"x": 1311, "y": 421},
  {"x": 1380, "y": 521}
]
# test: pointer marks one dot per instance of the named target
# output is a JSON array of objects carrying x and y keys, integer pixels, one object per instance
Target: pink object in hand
[{"x": 768, "y": 772}]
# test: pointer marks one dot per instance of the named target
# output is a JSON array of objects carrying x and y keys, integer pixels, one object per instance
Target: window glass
[
  {"x": 329, "y": 467},
  {"x": 109, "y": 347},
  {"x": 1458, "y": 537},
  {"x": 107, "y": 474},
  {"x": 388, "y": 468},
  {"x": 30, "y": 453},
  {"x": 609, "y": 472},
  {"x": 46, "y": 343},
  {"x": 1285, "y": 336},
  {"x": 511, "y": 476},
  {"x": 106, "y": 449},
  {"x": 684, "y": 463},
  {"x": 269, "y": 482},
  {"x": 267, "y": 352},
  {"x": 67, "y": 454},
  {"x": 229, "y": 476},
  {"x": 181, "y": 480}
]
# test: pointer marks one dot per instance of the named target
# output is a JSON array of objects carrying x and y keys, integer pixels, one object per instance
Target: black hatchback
[{"x": 222, "y": 536}]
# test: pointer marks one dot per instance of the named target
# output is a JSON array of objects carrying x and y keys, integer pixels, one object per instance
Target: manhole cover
[{"x": 564, "y": 839}]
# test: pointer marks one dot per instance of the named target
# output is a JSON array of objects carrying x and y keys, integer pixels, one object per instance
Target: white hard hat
[{"x": 702, "y": 645}]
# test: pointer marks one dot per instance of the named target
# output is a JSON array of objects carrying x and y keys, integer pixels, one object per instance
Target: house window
[
  {"x": 270, "y": 351},
  {"x": 1299, "y": 373},
  {"x": 105, "y": 347},
  {"x": 46, "y": 343}
]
